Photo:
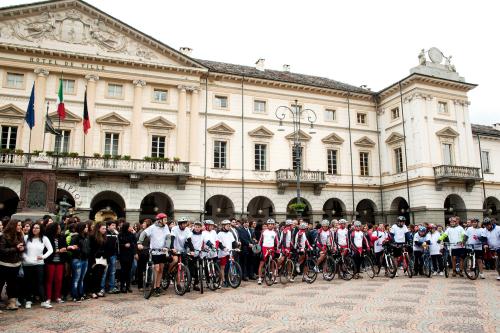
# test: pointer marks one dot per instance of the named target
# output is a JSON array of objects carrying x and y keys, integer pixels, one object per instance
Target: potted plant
[
  {"x": 106, "y": 156},
  {"x": 117, "y": 157},
  {"x": 167, "y": 159},
  {"x": 19, "y": 151},
  {"x": 97, "y": 155},
  {"x": 64, "y": 154},
  {"x": 126, "y": 157},
  {"x": 147, "y": 158},
  {"x": 36, "y": 152},
  {"x": 177, "y": 159},
  {"x": 297, "y": 207},
  {"x": 50, "y": 153},
  {"x": 73, "y": 155}
]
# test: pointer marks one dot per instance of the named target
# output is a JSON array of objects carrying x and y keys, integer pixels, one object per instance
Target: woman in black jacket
[
  {"x": 127, "y": 242},
  {"x": 55, "y": 262},
  {"x": 79, "y": 248},
  {"x": 11, "y": 255},
  {"x": 97, "y": 258}
]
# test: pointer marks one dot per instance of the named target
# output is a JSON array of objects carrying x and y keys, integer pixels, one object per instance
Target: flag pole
[{"x": 45, "y": 132}]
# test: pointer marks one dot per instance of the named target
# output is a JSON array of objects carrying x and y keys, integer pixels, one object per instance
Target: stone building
[{"x": 173, "y": 133}]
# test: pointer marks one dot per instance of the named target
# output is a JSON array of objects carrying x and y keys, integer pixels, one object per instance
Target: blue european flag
[{"x": 30, "y": 113}]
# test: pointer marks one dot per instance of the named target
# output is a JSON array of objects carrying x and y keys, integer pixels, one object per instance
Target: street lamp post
[{"x": 296, "y": 113}]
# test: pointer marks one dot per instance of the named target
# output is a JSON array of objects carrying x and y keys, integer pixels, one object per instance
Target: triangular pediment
[
  {"x": 114, "y": 119},
  {"x": 221, "y": 129},
  {"x": 11, "y": 111},
  {"x": 365, "y": 142},
  {"x": 303, "y": 136},
  {"x": 261, "y": 132},
  {"x": 333, "y": 139},
  {"x": 394, "y": 138},
  {"x": 70, "y": 117},
  {"x": 159, "y": 123},
  {"x": 447, "y": 132},
  {"x": 84, "y": 29}
]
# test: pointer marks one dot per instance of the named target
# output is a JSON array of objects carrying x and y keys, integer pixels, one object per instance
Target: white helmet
[
  {"x": 303, "y": 225},
  {"x": 288, "y": 222},
  {"x": 325, "y": 223},
  {"x": 271, "y": 221},
  {"x": 357, "y": 223},
  {"x": 182, "y": 219},
  {"x": 342, "y": 221},
  {"x": 209, "y": 222},
  {"x": 225, "y": 222}
]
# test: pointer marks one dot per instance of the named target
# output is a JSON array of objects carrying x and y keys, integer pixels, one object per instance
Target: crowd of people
[{"x": 50, "y": 262}]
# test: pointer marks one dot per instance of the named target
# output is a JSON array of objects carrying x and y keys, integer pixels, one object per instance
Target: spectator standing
[
  {"x": 11, "y": 250},
  {"x": 128, "y": 245}
]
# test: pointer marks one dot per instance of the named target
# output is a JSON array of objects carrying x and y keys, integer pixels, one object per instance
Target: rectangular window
[
  {"x": 221, "y": 102},
  {"x": 160, "y": 96},
  {"x": 332, "y": 161},
  {"x": 442, "y": 107},
  {"x": 15, "y": 80},
  {"x": 330, "y": 115},
  {"x": 364, "y": 164},
  {"x": 68, "y": 86},
  {"x": 447, "y": 154},
  {"x": 62, "y": 142},
  {"x": 485, "y": 160},
  {"x": 111, "y": 144},
  {"x": 220, "y": 154},
  {"x": 294, "y": 158},
  {"x": 259, "y": 106},
  {"x": 260, "y": 156},
  {"x": 115, "y": 90},
  {"x": 398, "y": 155},
  {"x": 361, "y": 118},
  {"x": 395, "y": 113},
  {"x": 158, "y": 146},
  {"x": 9, "y": 137}
]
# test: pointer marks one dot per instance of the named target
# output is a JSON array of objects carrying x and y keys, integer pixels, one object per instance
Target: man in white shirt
[
  {"x": 269, "y": 244},
  {"x": 455, "y": 234},
  {"x": 473, "y": 236},
  {"x": 435, "y": 250},
  {"x": 226, "y": 243},
  {"x": 342, "y": 235},
  {"x": 492, "y": 235}
]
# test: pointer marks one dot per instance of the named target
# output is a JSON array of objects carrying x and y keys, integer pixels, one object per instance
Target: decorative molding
[
  {"x": 92, "y": 77},
  {"x": 113, "y": 119},
  {"x": 261, "y": 132},
  {"x": 42, "y": 72},
  {"x": 11, "y": 111},
  {"x": 447, "y": 132},
  {"x": 332, "y": 139},
  {"x": 394, "y": 138},
  {"x": 159, "y": 123},
  {"x": 70, "y": 117},
  {"x": 303, "y": 136},
  {"x": 139, "y": 83},
  {"x": 365, "y": 142},
  {"x": 221, "y": 129}
]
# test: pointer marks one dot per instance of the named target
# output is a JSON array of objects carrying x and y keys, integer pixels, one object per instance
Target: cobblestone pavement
[{"x": 379, "y": 305}]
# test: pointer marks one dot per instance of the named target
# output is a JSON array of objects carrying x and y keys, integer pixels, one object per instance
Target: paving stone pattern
[{"x": 379, "y": 305}]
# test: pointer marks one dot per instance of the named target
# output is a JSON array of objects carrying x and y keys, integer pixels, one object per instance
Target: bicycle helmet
[
  {"x": 342, "y": 221},
  {"x": 197, "y": 222},
  {"x": 432, "y": 226},
  {"x": 161, "y": 216},
  {"x": 335, "y": 221},
  {"x": 325, "y": 223},
  {"x": 182, "y": 219},
  {"x": 209, "y": 222},
  {"x": 357, "y": 223},
  {"x": 422, "y": 229},
  {"x": 288, "y": 222},
  {"x": 303, "y": 225},
  {"x": 474, "y": 219},
  {"x": 225, "y": 222},
  {"x": 271, "y": 221},
  {"x": 486, "y": 220},
  {"x": 401, "y": 219}
]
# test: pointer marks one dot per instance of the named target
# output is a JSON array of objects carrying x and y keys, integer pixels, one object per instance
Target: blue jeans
[
  {"x": 79, "y": 268},
  {"x": 110, "y": 271}
]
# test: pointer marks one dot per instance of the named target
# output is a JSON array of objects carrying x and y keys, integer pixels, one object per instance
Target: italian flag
[{"x": 61, "y": 111}]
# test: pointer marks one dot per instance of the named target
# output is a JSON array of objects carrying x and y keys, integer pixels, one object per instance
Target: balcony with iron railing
[
  {"x": 285, "y": 177},
  {"x": 456, "y": 174}
]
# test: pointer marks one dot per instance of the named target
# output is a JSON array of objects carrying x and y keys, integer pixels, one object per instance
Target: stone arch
[
  {"x": 107, "y": 204},
  {"x": 154, "y": 203},
  {"x": 260, "y": 207},
  {"x": 218, "y": 208},
  {"x": 454, "y": 205},
  {"x": 306, "y": 215},
  {"x": 9, "y": 201},
  {"x": 491, "y": 207},
  {"x": 365, "y": 211},
  {"x": 400, "y": 207},
  {"x": 334, "y": 208}
]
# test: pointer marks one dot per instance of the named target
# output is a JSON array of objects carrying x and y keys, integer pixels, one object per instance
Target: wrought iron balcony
[
  {"x": 456, "y": 174},
  {"x": 285, "y": 177}
]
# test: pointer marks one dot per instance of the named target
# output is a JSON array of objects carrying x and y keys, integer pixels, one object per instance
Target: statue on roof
[{"x": 421, "y": 58}]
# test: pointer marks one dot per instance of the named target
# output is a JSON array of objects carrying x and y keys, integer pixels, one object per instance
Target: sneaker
[
  {"x": 396, "y": 274},
  {"x": 498, "y": 278},
  {"x": 434, "y": 274},
  {"x": 297, "y": 269},
  {"x": 46, "y": 305},
  {"x": 59, "y": 301},
  {"x": 94, "y": 296},
  {"x": 18, "y": 304},
  {"x": 259, "y": 281},
  {"x": 196, "y": 288},
  {"x": 481, "y": 275},
  {"x": 316, "y": 269},
  {"x": 114, "y": 291},
  {"x": 441, "y": 273},
  {"x": 28, "y": 305},
  {"x": 82, "y": 299},
  {"x": 99, "y": 294},
  {"x": 292, "y": 279},
  {"x": 157, "y": 292}
]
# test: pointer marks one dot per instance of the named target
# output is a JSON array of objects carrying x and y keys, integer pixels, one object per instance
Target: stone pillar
[
  {"x": 194, "y": 128},
  {"x": 132, "y": 215},
  {"x": 181, "y": 140},
  {"x": 136, "y": 151},
  {"x": 93, "y": 134},
  {"x": 40, "y": 109}
]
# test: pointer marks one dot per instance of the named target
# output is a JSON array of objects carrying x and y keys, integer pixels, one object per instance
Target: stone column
[
  {"x": 93, "y": 133},
  {"x": 194, "y": 129},
  {"x": 181, "y": 140},
  {"x": 40, "y": 109},
  {"x": 135, "y": 146}
]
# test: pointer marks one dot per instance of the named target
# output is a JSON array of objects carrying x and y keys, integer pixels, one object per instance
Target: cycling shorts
[
  {"x": 479, "y": 254},
  {"x": 458, "y": 252},
  {"x": 160, "y": 259},
  {"x": 266, "y": 251},
  {"x": 223, "y": 261}
]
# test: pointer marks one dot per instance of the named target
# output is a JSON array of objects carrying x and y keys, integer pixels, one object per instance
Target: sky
[{"x": 373, "y": 43}]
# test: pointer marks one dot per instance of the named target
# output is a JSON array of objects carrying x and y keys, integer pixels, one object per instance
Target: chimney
[
  {"x": 260, "y": 64},
  {"x": 186, "y": 50},
  {"x": 496, "y": 126},
  {"x": 286, "y": 68}
]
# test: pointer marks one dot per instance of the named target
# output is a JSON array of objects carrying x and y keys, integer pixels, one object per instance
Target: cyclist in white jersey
[
  {"x": 378, "y": 237},
  {"x": 210, "y": 242},
  {"x": 342, "y": 235},
  {"x": 181, "y": 238},
  {"x": 492, "y": 239},
  {"x": 269, "y": 244},
  {"x": 455, "y": 235},
  {"x": 473, "y": 236},
  {"x": 435, "y": 250}
]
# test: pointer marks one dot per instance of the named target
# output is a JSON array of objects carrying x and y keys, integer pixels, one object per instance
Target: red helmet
[{"x": 160, "y": 216}]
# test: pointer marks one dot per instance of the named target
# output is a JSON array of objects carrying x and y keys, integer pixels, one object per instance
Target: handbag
[{"x": 101, "y": 261}]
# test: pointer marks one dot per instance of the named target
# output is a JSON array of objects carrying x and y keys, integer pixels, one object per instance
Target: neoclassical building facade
[{"x": 170, "y": 132}]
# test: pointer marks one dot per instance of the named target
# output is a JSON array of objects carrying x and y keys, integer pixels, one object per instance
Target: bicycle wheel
[
  {"x": 165, "y": 280},
  {"x": 427, "y": 268},
  {"x": 392, "y": 268},
  {"x": 408, "y": 267},
  {"x": 329, "y": 269},
  {"x": 286, "y": 273},
  {"x": 181, "y": 279},
  {"x": 148, "y": 281},
  {"x": 347, "y": 268},
  {"x": 200, "y": 276},
  {"x": 210, "y": 275},
  {"x": 445, "y": 267},
  {"x": 367, "y": 267},
  {"x": 470, "y": 270},
  {"x": 270, "y": 272},
  {"x": 234, "y": 275},
  {"x": 311, "y": 274}
]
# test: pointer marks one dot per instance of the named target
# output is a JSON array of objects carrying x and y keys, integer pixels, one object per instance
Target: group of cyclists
[{"x": 296, "y": 247}]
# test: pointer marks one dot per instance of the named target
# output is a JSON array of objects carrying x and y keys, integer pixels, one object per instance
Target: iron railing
[
  {"x": 456, "y": 172},
  {"x": 289, "y": 175}
]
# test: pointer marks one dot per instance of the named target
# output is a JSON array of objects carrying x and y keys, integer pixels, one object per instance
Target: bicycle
[
  {"x": 426, "y": 261},
  {"x": 179, "y": 274},
  {"x": 286, "y": 271},
  {"x": 405, "y": 259},
  {"x": 199, "y": 268},
  {"x": 387, "y": 260},
  {"x": 309, "y": 273},
  {"x": 234, "y": 274},
  {"x": 366, "y": 265},
  {"x": 149, "y": 277},
  {"x": 471, "y": 268},
  {"x": 344, "y": 264},
  {"x": 211, "y": 269},
  {"x": 270, "y": 268},
  {"x": 445, "y": 258},
  {"x": 329, "y": 267}
]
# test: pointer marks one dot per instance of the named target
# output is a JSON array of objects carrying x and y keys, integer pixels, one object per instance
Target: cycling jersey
[
  {"x": 341, "y": 237},
  {"x": 399, "y": 233},
  {"x": 197, "y": 240},
  {"x": 209, "y": 237},
  {"x": 324, "y": 238},
  {"x": 378, "y": 238},
  {"x": 418, "y": 241},
  {"x": 493, "y": 237},
  {"x": 474, "y": 237},
  {"x": 455, "y": 235},
  {"x": 358, "y": 239},
  {"x": 434, "y": 246},
  {"x": 181, "y": 237},
  {"x": 301, "y": 242},
  {"x": 269, "y": 238},
  {"x": 286, "y": 238},
  {"x": 157, "y": 237},
  {"x": 226, "y": 240}
]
